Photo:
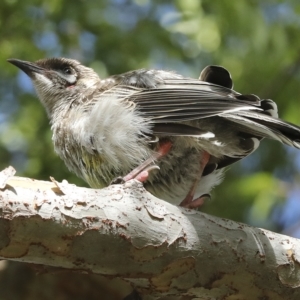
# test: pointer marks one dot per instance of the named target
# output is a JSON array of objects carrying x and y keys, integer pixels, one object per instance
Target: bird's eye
[
  {"x": 68, "y": 74},
  {"x": 67, "y": 70}
]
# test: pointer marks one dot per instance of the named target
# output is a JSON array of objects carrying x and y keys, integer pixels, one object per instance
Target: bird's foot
[
  {"x": 143, "y": 176},
  {"x": 194, "y": 204},
  {"x": 188, "y": 201},
  {"x": 141, "y": 173}
]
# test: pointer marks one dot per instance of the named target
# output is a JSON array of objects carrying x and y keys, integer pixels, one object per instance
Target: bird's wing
[
  {"x": 179, "y": 100},
  {"x": 166, "y": 102},
  {"x": 167, "y": 99},
  {"x": 183, "y": 99},
  {"x": 164, "y": 96}
]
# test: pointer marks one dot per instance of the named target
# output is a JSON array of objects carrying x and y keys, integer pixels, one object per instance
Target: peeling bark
[{"x": 164, "y": 251}]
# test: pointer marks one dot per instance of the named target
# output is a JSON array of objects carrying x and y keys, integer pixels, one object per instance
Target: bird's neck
[{"x": 56, "y": 110}]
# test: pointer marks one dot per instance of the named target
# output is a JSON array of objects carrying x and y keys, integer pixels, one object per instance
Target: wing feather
[
  {"x": 165, "y": 97},
  {"x": 184, "y": 100}
]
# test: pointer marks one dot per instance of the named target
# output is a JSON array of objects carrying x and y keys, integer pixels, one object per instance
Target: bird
[{"x": 175, "y": 134}]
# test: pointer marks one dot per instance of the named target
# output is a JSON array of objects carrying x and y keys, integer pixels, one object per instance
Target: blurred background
[{"x": 257, "y": 41}]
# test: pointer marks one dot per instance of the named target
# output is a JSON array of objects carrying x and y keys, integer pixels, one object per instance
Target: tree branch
[{"x": 161, "y": 249}]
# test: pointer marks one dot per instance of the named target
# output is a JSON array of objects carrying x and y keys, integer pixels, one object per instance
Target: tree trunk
[{"x": 125, "y": 234}]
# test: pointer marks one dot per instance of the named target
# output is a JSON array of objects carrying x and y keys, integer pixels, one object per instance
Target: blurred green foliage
[{"x": 257, "y": 41}]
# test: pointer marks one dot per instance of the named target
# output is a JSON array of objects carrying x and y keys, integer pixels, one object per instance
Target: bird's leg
[
  {"x": 141, "y": 172},
  {"x": 188, "y": 200}
]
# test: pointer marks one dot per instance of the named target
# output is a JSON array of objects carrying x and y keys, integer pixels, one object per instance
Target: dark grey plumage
[{"x": 105, "y": 128}]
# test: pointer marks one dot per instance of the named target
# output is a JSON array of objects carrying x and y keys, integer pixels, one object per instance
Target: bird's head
[{"x": 59, "y": 81}]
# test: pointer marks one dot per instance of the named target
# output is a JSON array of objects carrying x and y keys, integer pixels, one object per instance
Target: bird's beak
[{"x": 28, "y": 67}]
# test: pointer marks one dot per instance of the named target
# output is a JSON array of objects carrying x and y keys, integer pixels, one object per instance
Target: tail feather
[{"x": 268, "y": 127}]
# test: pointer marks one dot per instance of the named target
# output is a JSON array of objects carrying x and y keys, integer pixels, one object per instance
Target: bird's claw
[
  {"x": 195, "y": 204},
  {"x": 118, "y": 180}
]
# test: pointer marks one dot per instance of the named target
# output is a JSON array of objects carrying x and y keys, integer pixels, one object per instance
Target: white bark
[{"x": 123, "y": 231}]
